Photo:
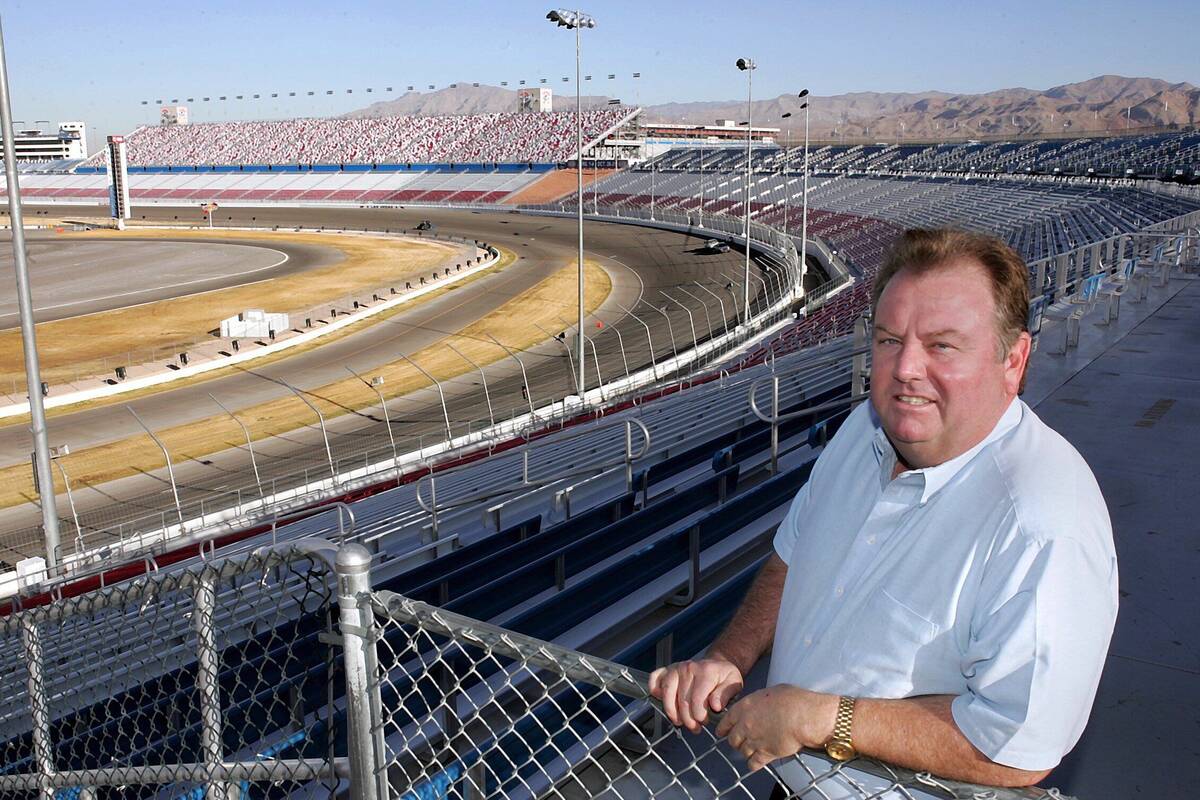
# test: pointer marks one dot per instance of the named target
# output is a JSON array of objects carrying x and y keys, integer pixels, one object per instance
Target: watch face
[{"x": 840, "y": 750}]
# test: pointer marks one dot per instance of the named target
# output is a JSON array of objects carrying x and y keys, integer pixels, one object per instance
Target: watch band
[{"x": 845, "y": 716}]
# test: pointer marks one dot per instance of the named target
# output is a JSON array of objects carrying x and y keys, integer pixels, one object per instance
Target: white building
[{"x": 34, "y": 144}]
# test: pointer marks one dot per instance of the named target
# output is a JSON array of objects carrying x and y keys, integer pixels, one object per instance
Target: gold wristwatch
[{"x": 839, "y": 747}]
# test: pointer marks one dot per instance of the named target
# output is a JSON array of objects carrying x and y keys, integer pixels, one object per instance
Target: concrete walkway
[{"x": 1129, "y": 400}]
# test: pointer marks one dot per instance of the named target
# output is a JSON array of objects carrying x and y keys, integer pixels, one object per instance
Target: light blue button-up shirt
[{"x": 991, "y": 577}]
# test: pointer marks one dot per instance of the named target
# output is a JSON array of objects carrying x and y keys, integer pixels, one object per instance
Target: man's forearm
[
  {"x": 920, "y": 733},
  {"x": 752, "y": 629}
]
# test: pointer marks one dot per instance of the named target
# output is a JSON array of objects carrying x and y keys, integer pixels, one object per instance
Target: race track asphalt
[
  {"x": 72, "y": 277},
  {"x": 647, "y": 266}
]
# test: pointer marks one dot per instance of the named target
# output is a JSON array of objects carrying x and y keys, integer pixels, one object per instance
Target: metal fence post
[
  {"x": 363, "y": 703},
  {"x": 43, "y": 751},
  {"x": 858, "y": 365},
  {"x": 208, "y": 687},
  {"x": 774, "y": 424}
]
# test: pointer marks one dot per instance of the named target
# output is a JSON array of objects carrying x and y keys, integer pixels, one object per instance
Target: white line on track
[{"x": 209, "y": 279}]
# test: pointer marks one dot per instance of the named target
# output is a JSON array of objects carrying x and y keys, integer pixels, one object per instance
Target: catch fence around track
[{"x": 284, "y": 672}]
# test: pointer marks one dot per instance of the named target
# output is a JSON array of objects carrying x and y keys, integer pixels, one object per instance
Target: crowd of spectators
[{"x": 481, "y": 138}]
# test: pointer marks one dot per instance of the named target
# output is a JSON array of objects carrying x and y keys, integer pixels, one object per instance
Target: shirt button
[
  {"x": 870, "y": 540},
  {"x": 839, "y": 591},
  {"x": 807, "y": 641}
]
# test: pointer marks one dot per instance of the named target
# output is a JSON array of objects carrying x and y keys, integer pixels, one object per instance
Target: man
[{"x": 943, "y": 589}]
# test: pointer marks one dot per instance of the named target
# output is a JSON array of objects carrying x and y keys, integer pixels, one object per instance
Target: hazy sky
[{"x": 97, "y": 62}]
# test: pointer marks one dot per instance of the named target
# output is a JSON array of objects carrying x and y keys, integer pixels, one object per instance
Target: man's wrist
[{"x": 717, "y": 653}]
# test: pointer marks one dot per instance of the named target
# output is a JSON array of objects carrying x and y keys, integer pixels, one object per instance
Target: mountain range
[{"x": 1103, "y": 103}]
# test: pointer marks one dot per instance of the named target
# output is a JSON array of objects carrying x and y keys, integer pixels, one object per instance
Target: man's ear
[{"x": 1016, "y": 363}]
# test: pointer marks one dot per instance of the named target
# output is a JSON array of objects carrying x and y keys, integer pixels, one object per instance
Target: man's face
[{"x": 937, "y": 381}]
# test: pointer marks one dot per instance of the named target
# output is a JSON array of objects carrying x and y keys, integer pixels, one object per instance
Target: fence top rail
[
  {"x": 629, "y": 682},
  {"x": 146, "y": 588}
]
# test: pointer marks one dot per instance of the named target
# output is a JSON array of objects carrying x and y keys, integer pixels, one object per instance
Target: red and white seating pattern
[{"x": 466, "y": 139}]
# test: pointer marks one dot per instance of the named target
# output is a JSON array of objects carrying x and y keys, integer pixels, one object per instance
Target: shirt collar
[{"x": 935, "y": 477}]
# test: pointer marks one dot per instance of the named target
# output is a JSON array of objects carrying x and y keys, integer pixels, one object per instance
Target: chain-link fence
[
  {"x": 231, "y": 680},
  {"x": 203, "y": 682},
  {"x": 466, "y": 709}
]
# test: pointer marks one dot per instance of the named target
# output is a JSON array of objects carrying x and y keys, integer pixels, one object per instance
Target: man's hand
[
  {"x": 690, "y": 689},
  {"x": 778, "y": 721}
]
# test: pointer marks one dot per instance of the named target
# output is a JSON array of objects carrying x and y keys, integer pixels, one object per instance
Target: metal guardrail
[
  {"x": 432, "y": 507},
  {"x": 858, "y": 377}
]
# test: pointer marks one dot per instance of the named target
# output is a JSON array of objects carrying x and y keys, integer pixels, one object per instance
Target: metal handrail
[
  {"x": 432, "y": 507},
  {"x": 855, "y": 355},
  {"x": 296, "y": 516}
]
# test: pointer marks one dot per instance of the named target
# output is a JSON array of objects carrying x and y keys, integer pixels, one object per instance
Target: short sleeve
[
  {"x": 1039, "y": 637},
  {"x": 789, "y": 529}
]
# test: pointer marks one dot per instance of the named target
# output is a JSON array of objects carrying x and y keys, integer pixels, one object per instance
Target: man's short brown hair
[{"x": 922, "y": 249}]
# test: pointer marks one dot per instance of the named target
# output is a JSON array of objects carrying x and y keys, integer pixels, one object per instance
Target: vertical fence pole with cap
[
  {"x": 43, "y": 751},
  {"x": 858, "y": 365},
  {"x": 363, "y": 703},
  {"x": 208, "y": 686},
  {"x": 774, "y": 424}
]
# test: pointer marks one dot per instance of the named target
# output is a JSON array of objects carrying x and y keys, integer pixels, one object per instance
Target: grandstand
[
  {"x": 467, "y": 139},
  {"x": 1168, "y": 156},
  {"x": 625, "y": 531}
]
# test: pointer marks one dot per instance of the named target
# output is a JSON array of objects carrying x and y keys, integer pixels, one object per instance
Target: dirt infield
[
  {"x": 91, "y": 344},
  {"x": 515, "y": 323}
]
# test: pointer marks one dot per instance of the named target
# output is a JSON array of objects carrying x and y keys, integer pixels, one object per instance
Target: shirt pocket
[{"x": 887, "y": 646}]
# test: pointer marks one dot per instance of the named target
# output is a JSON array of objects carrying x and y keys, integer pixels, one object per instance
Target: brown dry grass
[
  {"x": 80, "y": 345},
  {"x": 514, "y": 323}
]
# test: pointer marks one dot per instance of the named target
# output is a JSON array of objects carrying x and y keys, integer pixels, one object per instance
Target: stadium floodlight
[
  {"x": 191, "y": 99},
  {"x": 409, "y": 88},
  {"x": 747, "y": 66},
  {"x": 504, "y": 83},
  {"x": 145, "y": 102},
  {"x": 33, "y": 377},
  {"x": 206, "y": 99},
  {"x": 804, "y": 208},
  {"x": 577, "y": 21},
  {"x": 158, "y": 102},
  {"x": 431, "y": 86},
  {"x": 369, "y": 89}
]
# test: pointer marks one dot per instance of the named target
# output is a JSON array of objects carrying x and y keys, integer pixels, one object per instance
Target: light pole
[
  {"x": 33, "y": 377},
  {"x": 747, "y": 65},
  {"x": 804, "y": 211},
  {"x": 577, "y": 21}
]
